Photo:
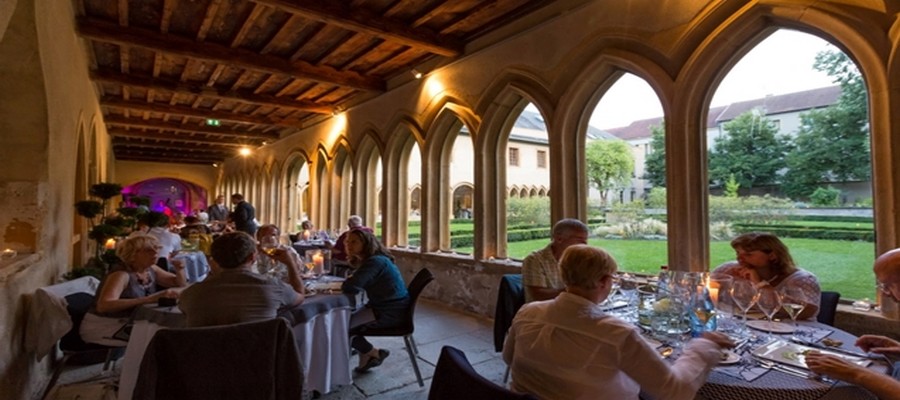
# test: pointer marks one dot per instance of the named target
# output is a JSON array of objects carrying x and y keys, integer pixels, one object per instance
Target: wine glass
[
  {"x": 769, "y": 302},
  {"x": 793, "y": 300},
  {"x": 744, "y": 295},
  {"x": 269, "y": 244}
]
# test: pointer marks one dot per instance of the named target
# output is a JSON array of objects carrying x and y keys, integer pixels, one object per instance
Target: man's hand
[
  {"x": 833, "y": 366},
  {"x": 879, "y": 345}
]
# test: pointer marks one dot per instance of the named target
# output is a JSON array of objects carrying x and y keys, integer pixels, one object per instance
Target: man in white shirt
[{"x": 568, "y": 348}]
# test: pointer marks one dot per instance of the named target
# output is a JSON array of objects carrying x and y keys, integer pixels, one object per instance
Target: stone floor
[{"x": 436, "y": 326}]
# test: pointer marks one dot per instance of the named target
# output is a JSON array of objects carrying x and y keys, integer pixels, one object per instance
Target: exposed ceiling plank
[
  {"x": 140, "y": 156},
  {"x": 179, "y": 138},
  {"x": 168, "y": 149},
  {"x": 178, "y": 127},
  {"x": 198, "y": 89},
  {"x": 362, "y": 20},
  {"x": 103, "y": 31},
  {"x": 192, "y": 112}
]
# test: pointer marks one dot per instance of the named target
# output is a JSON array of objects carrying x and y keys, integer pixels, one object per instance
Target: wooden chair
[
  {"x": 454, "y": 378},
  {"x": 406, "y": 329}
]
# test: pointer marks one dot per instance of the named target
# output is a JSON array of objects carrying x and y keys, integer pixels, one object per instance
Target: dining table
[
  {"x": 320, "y": 325},
  {"x": 767, "y": 363}
]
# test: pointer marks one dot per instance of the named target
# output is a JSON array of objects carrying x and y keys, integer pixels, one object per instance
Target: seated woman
[
  {"x": 569, "y": 348},
  {"x": 131, "y": 283},
  {"x": 376, "y": 273},
  {"x": 764, "y": 260}
]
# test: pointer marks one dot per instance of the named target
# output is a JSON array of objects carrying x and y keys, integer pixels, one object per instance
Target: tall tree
[
  {"x": 749, "y": 149},
  {"x": 655, "y": 163},
  {"x": 832, "y": 144},
  {"x": 610, "y": 165}
]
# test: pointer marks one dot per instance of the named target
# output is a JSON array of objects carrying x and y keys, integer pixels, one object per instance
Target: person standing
[
  {"x": 218, "y": 211},
  {"x": 540, "y": 274},
  {"x": 244, "y": 215}
]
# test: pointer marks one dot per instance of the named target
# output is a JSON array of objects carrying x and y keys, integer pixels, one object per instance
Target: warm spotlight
[
  {"x": 244, "y": 151},
  {"x": 416, "y": 73}
]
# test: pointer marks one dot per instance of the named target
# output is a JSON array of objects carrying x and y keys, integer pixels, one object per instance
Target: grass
[{"x": 841, "y": 266}]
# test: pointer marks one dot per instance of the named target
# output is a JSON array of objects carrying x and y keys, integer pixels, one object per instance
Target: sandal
[{"x": 373, "y": 362}]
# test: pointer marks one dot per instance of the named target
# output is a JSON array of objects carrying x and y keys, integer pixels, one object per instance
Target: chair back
[
  {"x": 454, "y": 378},
  {"x": 415, "y": 288},
  {"x": 828, "y": 307},
  {"x": 253, "y": 360},
  {"x": 510, "y": 298}
]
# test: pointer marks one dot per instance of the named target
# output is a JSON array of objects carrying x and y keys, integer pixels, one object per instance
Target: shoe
[
  {"x": 382, "y": 354},
  {"x": 373, "y": 362}
]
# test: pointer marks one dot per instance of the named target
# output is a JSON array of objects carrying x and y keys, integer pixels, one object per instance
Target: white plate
[
  {"x": 768, "y": 326},
  {"x": 795, "y": 354},
  {"x": 729, "y": 357}
]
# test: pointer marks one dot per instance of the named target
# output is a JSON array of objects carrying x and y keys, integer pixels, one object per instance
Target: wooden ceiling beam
[
  {"x": 361, "y": 20},
  {"x": 192, "y": 112},
  {"x": 103, "y": 31},
  {"x": 167, "y": 160},
  {"x": 200, "y": 89},
  {"x": 180, "y": 138},
  {"x": 114, "y": 120},
  {"x": 212, "y": 149},
  {"x": 173, "y": 154}
]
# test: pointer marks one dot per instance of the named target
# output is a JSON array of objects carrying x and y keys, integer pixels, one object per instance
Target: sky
[{"x": 780, "y": 64}]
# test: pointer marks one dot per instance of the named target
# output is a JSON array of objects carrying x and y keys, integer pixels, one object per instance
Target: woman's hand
[
  {"x": 879, "y": 344},
  {"x": 831, "y": 366},
  {"x": 164, "y": 294}
]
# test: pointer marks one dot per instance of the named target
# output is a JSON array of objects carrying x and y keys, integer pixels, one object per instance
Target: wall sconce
[
  {"x": 244, "y": 151},
  {"x": 416, "y": 73}
]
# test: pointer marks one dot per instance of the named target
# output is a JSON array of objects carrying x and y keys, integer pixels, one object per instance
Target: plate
[
  {"x": 769, "y": 326},
  {"x": 794, "y": 354},
  {"x": 310, "y": 293},
  {"x": 729, "y": 357}
]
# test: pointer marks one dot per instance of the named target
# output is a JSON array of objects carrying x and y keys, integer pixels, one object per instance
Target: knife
[{"x": 831, "y": 349}]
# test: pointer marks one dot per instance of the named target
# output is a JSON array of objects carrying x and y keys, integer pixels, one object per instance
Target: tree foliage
[
  {"x": 609, "y": 165},
  {"x": 655, "y": 163},
  {"x": 832, "y": 144},
  {"x": 749, "y": 149}
]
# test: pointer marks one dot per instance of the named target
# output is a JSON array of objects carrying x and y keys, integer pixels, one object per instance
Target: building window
[
  {"x": 542, "y": 158},
  {"x": 514, "y": 156}
]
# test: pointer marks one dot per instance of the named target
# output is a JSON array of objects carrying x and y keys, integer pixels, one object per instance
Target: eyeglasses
[{"x": 882, "y": 287}]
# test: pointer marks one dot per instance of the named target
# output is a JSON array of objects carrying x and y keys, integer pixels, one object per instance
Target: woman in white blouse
[{"x": 568, "y": 348}]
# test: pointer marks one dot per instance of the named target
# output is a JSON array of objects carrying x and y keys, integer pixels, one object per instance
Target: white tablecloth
[{"x": 321, "y": 326}]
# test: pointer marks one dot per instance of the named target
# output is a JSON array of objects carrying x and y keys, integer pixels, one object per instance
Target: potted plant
[{"x": 105, "y": 228}]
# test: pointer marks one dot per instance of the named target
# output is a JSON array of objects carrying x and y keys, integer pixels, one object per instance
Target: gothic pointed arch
[{"x": 406, "y": 137}]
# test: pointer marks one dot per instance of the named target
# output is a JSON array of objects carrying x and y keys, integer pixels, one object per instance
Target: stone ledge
[
  {"x": 866, "y": 322},
  {"x": 17, "y": 264}
]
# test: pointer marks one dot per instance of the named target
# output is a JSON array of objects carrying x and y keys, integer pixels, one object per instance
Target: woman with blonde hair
[
  {"x": 131, "y": 283},
  {"x": 569, "y": 348}
]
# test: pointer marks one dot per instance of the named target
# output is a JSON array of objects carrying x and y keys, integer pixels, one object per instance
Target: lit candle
[
  {"x": 714, "y": 295},
  {"x": 110, "y": 244},
  {"x": 318, "y": 261},
  {"x": 8, "y": 253}
]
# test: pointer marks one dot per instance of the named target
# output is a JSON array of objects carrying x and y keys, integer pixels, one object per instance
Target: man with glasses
[
  {"x": 887, "y": 274},
  {"x": 540, "y": 274}
]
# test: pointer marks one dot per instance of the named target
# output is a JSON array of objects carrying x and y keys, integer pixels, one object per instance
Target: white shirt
[
  {"x": 169, "y": 241},
  {"x": 567, "y": 348}
]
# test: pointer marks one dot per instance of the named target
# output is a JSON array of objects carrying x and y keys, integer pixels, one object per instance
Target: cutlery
[{"x": 832, "y": 349}]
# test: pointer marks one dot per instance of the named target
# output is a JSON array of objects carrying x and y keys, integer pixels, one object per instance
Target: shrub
[
  {"x": 657, "y": 198},
  {"x": 647, "y": 228},
  {"x": 533, "y": 211},
  {"x": 755, "y": 209},
  {"x": 826, "y": 197}
]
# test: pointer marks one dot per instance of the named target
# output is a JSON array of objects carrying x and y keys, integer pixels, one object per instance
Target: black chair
[
  {"x": 415, "y": 287},
  {"x": 454, "y": 379},
  {"x": 510, "y": 297},
  {"x": 77, "y": 351},
  {"x": 251, "y": 360},
  {"x": 828, "y": 307}
]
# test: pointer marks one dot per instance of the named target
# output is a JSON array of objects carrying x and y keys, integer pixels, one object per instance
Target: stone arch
[
  {"x": 364, "y": 181},
  {"x": 502, "y": 103},
  {"x": 294, "y": 203},
  {"x": 406, "y": 138},
  {"x": 341, "y": 172}
]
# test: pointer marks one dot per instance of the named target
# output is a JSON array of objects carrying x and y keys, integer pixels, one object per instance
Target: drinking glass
[
  {"x": 769, "y": 302},
  {"x": 269, "y": 244},
  {"x": 744, "y": 295},
  {"x": 793, "y": 300}
]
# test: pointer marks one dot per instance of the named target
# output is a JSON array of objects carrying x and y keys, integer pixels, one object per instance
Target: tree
[
  {"x": 832, "y": 144},
  {"x": 750, "y": 149},
  {"x": 609, "y": 165},
  {"x": 655, "y": 163}
]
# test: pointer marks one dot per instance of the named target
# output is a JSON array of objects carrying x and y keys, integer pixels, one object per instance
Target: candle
[
  {"x": 110, "y": 244},
  {"x": 318, "y": 261},
  {"x": 714, "y": 295},
  {"x": 8, "y": 253}
]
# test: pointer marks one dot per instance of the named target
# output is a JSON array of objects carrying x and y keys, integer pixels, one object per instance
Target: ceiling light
[
  {"x": 244, "y": 151},
  {"x": 416, "y": 73}
]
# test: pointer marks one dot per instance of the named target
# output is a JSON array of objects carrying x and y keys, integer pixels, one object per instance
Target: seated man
[
  {"x": 235, "y": 293},
  {"x": 338, "y": 252},
  {"x": 569, "y": 348},
  {"x": 887, "y": 273},
  {"x": 540, "y": 275}
]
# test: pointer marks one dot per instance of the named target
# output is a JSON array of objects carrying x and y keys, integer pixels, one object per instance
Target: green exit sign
[{"x": 213, "y": 122}]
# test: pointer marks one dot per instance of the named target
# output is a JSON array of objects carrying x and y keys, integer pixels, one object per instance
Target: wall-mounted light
[
  {"x": 244, "y": 151},
  {"x": 416, "y": 73},
  {"x": 215, "y": 165}
]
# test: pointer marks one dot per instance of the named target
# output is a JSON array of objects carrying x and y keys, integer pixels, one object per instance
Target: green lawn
[{"x": 841, "y": 266}]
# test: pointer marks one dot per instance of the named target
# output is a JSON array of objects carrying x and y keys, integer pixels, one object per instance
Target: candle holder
[{"x": 320, "y": 260}]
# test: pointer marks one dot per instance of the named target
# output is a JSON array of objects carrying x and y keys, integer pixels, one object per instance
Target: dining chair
[
  {"x": 454, "y": 378},
  {"x": 75, "y": 350},
  {"x": 406, "y": 329},
  {"x": 510, "y": 297},
  {"x": 828, "y": 307},
  {"x": 250, "y": 360}
]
